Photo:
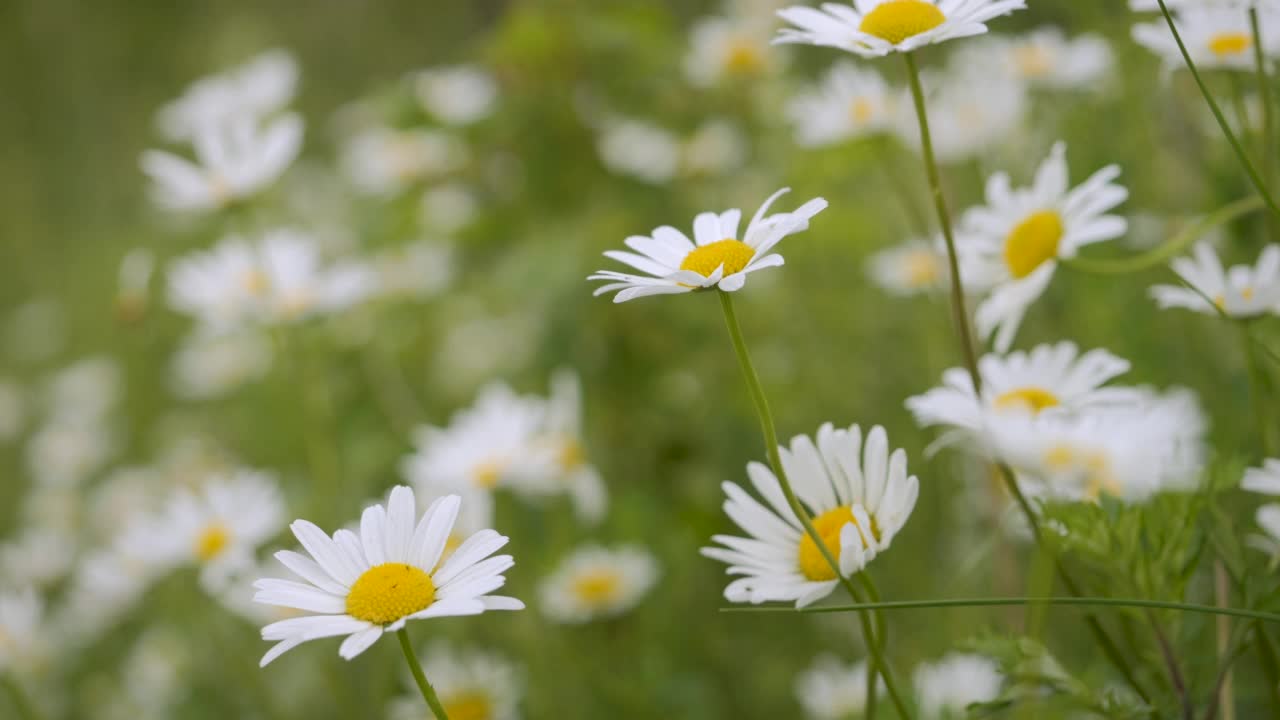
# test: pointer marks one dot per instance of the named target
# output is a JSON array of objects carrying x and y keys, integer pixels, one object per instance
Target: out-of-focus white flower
[
  {"x": 417, "y": 271},
  {"x": 730, "y": 48},
  {"x": 85, "y": 391},
  {"x": 134, "y": 288},
  {"x": 849, "y": 102},
  {"x": 831, "y": 690},
  {"x": 37, "y": 558},
  {"x": 155, "y": 670},
  {"x": 472, "y": 685},
  {"x": 569, "y": 470},
  {"x": 1216, "y": 37},
  {"x": 874, "y": 28},
  {"x": 457, "y": 95},
  {"x": 67, "y": 452},
  {"x": 971, "y": 111},
  {"x": 385, "y": 161},
  {"x": 233, "y": 162},
  {"x": 24, "y": 636},
  {"x": 946, "y": 687},
  {"x": 911, "y": 268},
  {"x": 1242, "y": 291},
  {"x": 640, "y": 150},
  {"x": 1154, "y": 5},
  {"x": 1047, "y": 58},
  {"x": 105, "y": 586},
  {"x": 594, "y": 582},
  {"x": 13, "y": 410},
  {"x": 1265, "y": 479},
  {"x": 1268, "y": 518},
  {"x": 716, "y": 148},
  {"x": 448, "y": 208},
  {"x": 260, "y": 87},
  {"x": 210, "y": 365},
  {"x": 124, "y": 494},
  {"x": 481, "y": 345}
]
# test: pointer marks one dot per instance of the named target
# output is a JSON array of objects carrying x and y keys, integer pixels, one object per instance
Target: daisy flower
[
  {"x": 594, "y": 582},
  {"x": 22, "y": 630},
  {"x": 874, "y": 28},
  {"x": 911, "y": 268},
  {"x": 570, "y": 469},
  {"x": 723, "y": 48},
  {"x": 1243, "y": 291},
  {"x": 472, "y": 685},
  {"x": 38, "y": 557},
  {"x": 850, "y": 102},
  {"x": 1268, "y": 518},
  {"x": 1045, "y": 58},
  {"x": 1054, "y": 378},
  {"x": 718, "y": 259},
  {"x": 972, "y": 111},
  {"x": 715, "y": 148},
  {"x": 944, "y": 689},
  {"x": 1017, "y": 238},
  {"x": 383, "y": 161},
  {"x": 233, "y": 162},
  {"x": 1217, "y": 37},
  {"x": 364, "y": 585},
  {"x": 859, "y": 496},
  {"x": 1265, "y": 479},
  {"x": 831, "y": 690},
  {"x": 456, "y": 95},
  {"x": 260, "y": 87},
  {"x": 208, "y": 364},
  {"x": 640, "y": 150}
]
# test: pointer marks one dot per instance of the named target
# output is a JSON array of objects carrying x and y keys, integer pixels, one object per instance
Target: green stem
[
  {"x": 1270, "y": 666},
  {"x": 1247, "y": 164},
  {"x": 1260, "y": 388},
  {"x": 1171, "y": 664},
  {"x": 26, "y": 709},
  {"x": 428, "y": 692},
  {"x": 767, "y": 428},
  {"x": 958, "y": 309},
  {"x": 1264, "y": 96}
]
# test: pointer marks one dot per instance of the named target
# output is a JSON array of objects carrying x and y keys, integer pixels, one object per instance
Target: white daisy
[
  {"x": 850, "y": 102},
  {"x": 1154, "y": 5},
  {"x": 728, "y": 48},
  {"x": 1265, "y": 479},
  {"x": 472, "y": 685},
  {"x": 874, "y": 28},
  {"x": 209, "y": 365},
  {"x": 22, "y": 630},
  {"x": 448, "y": 207},
  {"x": 944, "y": 689},
  {"x": 1243, "y": 291},
  {"x": 86, "y": 390},
  {"x": 570, "y": 469},
  {"x": 384, "y": 161},
  {"x": 260, "y": 87},
  {"x": 233, "y": 162},
  {"x": 1268, "y": 518},
  {"x": 911, "y": 268},
  {"x": 717, "y": 147},
  {"x": 1054, "y": 378},
  {"x": 37, "y": 557},
  {"x": 972, "y": 111},
  {"x": 640, "y": 150},
  {"x": 860, "y": 497},
  {"x": 1216, "y": 37},
  {"x": 1044, "y": 57},
  {"x": 365, "y": 585},
  {"x": 594, "y": 582},
  {"x": 1017, "y": 238},
  {"x": 414, "y": 271},
  {"x": 832, "y": 690},
  {"x": 107, "y": 584},
  {"x": 67, "y": 451},
  {"x": 456, "y": 95},
  {"x": 719, "y": 259}
]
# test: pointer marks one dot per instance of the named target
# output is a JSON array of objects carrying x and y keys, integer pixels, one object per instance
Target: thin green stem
[
  {"x": 958, "y": 310},
  {"x": 1269, "y": 663},
  {"x": 767, "y": 428},
  {"x": 1247, "y": 164},
  {"x": 1171, "y": 664},
  {"x": 26, "y": 709},
  {"x": 1261, "y": 391},
  {"x": 428, "y": 692},
  {"x": 1268, "y": 113}
]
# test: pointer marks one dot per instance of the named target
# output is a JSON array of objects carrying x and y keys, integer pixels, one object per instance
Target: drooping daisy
[
  {"x": 1243, "y": 291},
  {"x": 383, "y": 161},
  {"x": 911, "y": 268},
  {"x": 944, "y": 689},
  {"x": 22, "y": 631},
  {"x": 859, "y": 495},
  {"x": 471, "y": 684},
  {"x": 456, "y": 95},
  {"x": 365, "y": 585},
  {"x": 729, "y": 48},
  {"x": 1018, "y": 237},
  {"x": 258, "y": 88},
  {"x": 570, "y": 469},
  {"x": 1216, "y": 37},
  {"x": 1050, "y": 377},
  {"x": 594, "y": 582},
  {"x": 718, "y": 259},
  {"x": 233, "y": 162},
  {"x": 832, "y": 690},
  {"x": 1265, "y": 479},
  {"x": 850, "y": 102},
  {"x": 874, "y": 28}
]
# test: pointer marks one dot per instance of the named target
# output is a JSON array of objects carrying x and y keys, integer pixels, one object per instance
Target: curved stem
[
  {"x": 1268, "y": 122},
  {"x": 767, "y": 428},
  {"x": 428, "y": 692},
  {"x": 958, "y": 310},
  {"x": 1247, "y": 164}
]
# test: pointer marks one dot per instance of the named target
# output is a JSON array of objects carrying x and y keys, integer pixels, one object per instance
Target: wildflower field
[{"x": 688, "y": 359}]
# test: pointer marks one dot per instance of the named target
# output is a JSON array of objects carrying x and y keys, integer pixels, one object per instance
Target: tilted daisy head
[
  {"x": 1216, "y": 35},
  {"x": 717, "y": 257},
  {"x": 596, "y": 582},
  {"x": 363, "y": 585},
  {"x": 874, "y": 28},
  {"x": 858, "y": 495},
  {"x": 1243, "y": 291}
]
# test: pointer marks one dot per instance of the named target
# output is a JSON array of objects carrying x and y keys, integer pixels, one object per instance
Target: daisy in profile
[
  {"x": 473, "y": 685},
  {"x": 1017, "y": 238},
  {"x": 1217, "y": 37},
  {"x": 234, "y": 161},
  {"x": 262, "y": 86},
  {"x": 859, "y": 495},
  {"x": 850, "y": 102},
  {"x": 715, "y": 258},
  {"x": 912, "y": 268},
  {"x": 832, "y": 690},
  {"x": 874, "y": 28},
  {"x": 1243, "y": 291},
  {"x": 367, "y": 584},
  {"x": 729, "y": 48},
  {"x": 946, "y": 688},
  {"x": 1265, "y": 479},
  {"x": 594, "y": 582},
  {"x": 456, "y": 95},
  {"x": 1055, "y": 378}
]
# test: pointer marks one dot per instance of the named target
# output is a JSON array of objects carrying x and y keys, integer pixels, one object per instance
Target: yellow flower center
[
  {"x": 732, "y": 254},
  {"x": 897, "y": 20},
  {"x": 597, "y": 588},
  {"x": 572, "y": 455},
  {"x": 862, "y": 111},
  {"x": 828, "y": 524},
  {"x": 1229, "y": 43},
  {"x": 385, "y": 593},
  {"x": 256, "y": 282},
  {"x": 923, "y": 269},
  {"x": 1059, "y": 457},
  {"x": 1030, "y": 398},
  {"x": 487, "y": 474},
  {"x": 744, "y": 58},
  {"x": 1033, "y": 242},
  {"x": 212, "y": 541},
  {"x": 1032, "y": 60},
  {"x": 1247, "y": 293},
  {"x": 470, "y": 705}
]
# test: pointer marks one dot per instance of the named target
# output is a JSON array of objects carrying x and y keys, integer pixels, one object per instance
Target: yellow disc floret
[
  {"x": 388, "y": 592},
  {"x": 732, "y": 254},
  {"x": 1033, "y": 242},
  {"x": 829, "y": 524},
  {"x": 897, "y": 20},
  {"x": 212, "y": 541},
  {"x": 469, "y": 705},
  {"x": 1230, "y": 43},
  {"x": 597, "y": 588},
  {"x": 744, "y": 58},
  {"x": 1034, "y": 399}
]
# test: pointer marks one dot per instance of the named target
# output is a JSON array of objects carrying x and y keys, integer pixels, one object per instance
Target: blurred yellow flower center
[
  {"x": 862, "y": 111},
  {"x": 828, "y": 524},
  {"x": 572, "y": 455},
  {"x": 1059, "y": 457},
  {"x": 596, "y": 588},
  {"x": 385, "y": 593},
  {"x": 1031, "y": 398},
  {"x": 744, "y": 57},
  {"x": 1033, "y": 60},
  {"x": 1033, "y": 242},
  {"x": 212, "y": 541},
  {"x": 732, "y": 254},
  {"x": 923, "y": 269},
  {"x": 1229, "y": 43},
  {"x": 487, "y": 474},
  {"x": 255, "y": 282},
  {"x": 472, "y": 705},
  {"x": 897, "y": 20}
]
